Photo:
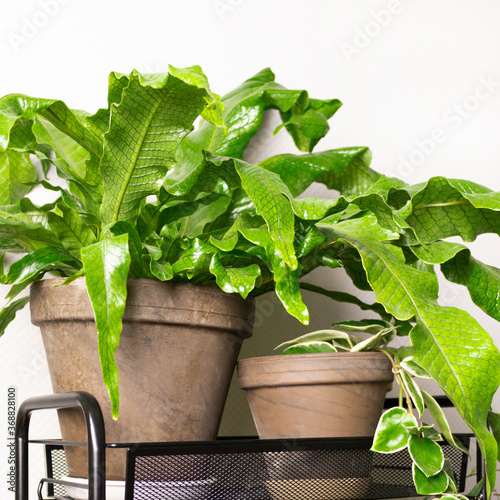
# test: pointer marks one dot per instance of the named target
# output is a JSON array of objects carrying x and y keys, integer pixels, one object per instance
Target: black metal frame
[
  {"x": 95, "y": 436},
  {"x": 97, "y": 446}
]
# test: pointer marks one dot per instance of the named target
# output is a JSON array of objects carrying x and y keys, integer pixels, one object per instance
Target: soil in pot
[{"x": 177, "y": 353}]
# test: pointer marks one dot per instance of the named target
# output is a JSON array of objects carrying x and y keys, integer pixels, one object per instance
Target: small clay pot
[{"x": 316, "y": 395}]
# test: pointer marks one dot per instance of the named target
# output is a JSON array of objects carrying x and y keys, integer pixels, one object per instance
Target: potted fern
[{"x": 143, "y": 235}]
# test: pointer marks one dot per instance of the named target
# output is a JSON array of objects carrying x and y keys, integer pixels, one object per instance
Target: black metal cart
[{"x": 232, "y": 469}]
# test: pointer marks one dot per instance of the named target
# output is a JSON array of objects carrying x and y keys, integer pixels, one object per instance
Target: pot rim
[
  {"x": 52, "y": 282},
  {"x": 319, "y": 356},
  {"x": 314, "y": 369},
  {"x": 148, "y": 301}
]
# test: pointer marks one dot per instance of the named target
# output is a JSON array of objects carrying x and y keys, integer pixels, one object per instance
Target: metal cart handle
[{"x": 95, "y": 438}]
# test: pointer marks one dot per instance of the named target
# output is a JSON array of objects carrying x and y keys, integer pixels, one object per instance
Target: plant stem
[{"x": 402, "y": 388}]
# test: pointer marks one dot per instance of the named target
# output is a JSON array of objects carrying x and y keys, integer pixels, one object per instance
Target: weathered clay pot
[
  {"x": 176, "y": 356},
  {"x": 316, "y": 395}
]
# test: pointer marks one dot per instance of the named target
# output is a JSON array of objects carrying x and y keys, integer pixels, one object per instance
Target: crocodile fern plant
[{"x": 142, "y": 192}]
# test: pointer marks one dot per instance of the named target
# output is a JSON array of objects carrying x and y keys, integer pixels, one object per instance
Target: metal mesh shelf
[
  {"x": 230, "y": 469},
  {"x": 313, "y": 469}
]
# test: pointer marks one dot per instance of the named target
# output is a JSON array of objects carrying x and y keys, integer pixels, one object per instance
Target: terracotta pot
[
  {"x": 316, "y": 395},
  {"x": 176, "y": 356}
]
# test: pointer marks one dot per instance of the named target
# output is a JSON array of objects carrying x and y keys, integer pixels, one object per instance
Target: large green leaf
[
  {"x": 106, "y": 266},
  {"x": 9, "y": 245},
  {"x": 8, "y": 313},
  {"x": 27, "y": 212},
  {"x": 231, "y": 237},
  {"x": 192, "y": 217},
  {"x": 317, "y": 208},
  {"x": 138, "y": 268},
  {"x": 482, "y": 281},
  {"x": 272, "y": 201},
  {"x": 70, "y": 229},
  {"x": 286, "y": 280},
  {"x": 307, "y": 121},
  {"x": 203, "y": 177},
  {"x": 376, "y": 204},
  {"x": 159, "y": 268},
  {"x": 437, "y": 252},
  {"x": 382, "y": 260},
  {"x": 195, "y": 259},
  {"x": 140, "y": 145},
  {"x": 71, "y": 155},
  {"x": 243, "y": 112},
  {"x": 235, "y": 279},
  {"x": 312, "y": 240},
  {"x": 287, "y": 288},
  {"x": 458, "y": 266},
  {"x": 346, "y": 170},
  {"x": 16, "y": 170},
  {"x": 449, "y": 344},
  {"x": 27, "y": 234},
  {"x": 16, "y": 108},
  {"x": 449, "y": 207},
  {"x": 34, "y": 263}
]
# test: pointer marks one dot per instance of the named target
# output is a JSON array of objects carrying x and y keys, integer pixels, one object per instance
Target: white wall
[{"x": 407, "y": 72}]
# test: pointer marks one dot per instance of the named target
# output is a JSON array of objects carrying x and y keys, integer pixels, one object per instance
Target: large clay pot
[
  {"x": 176, "y": 356},
  {"x": 316, "y": 395}
]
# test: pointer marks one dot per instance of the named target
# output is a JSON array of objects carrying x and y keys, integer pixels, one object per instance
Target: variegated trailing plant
[
  {"x": 399, "y": 427},
  {"x": 148, "y": 194}
]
